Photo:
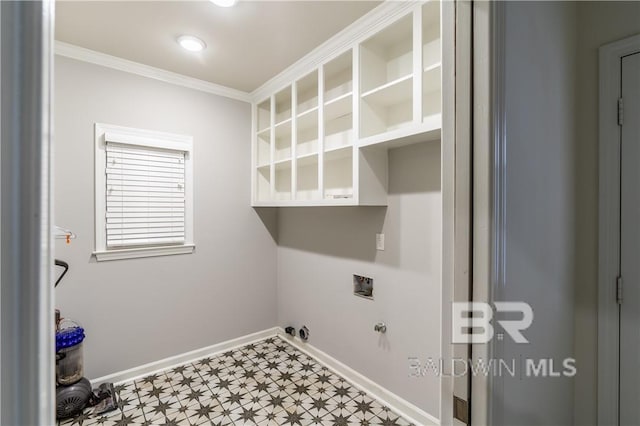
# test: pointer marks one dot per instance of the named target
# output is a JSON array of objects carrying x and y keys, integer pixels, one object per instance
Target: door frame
[
  {"x": 27, "y": 391},
  {"x": 489, "y": 193},
  {"x": 610, "y": 56}
]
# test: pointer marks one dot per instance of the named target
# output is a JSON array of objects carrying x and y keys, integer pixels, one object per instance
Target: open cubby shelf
[
  {"x": 304, "y": 160},
  {"x": 307, "y": 187},
  {"x": 388, "y": 55},
  {"x": 338, "y": 174},
  {"x": 338, "y": 132},
  {"x": 283, "y": 105},
  {"x": 307, "y": 93},
  {"x": 263, "y": 151},
  {"x": 308, "y": 119},
  {"x": 283, "y": 141},
  {"x": 282, "y": 190},
  {"x": 338, "y": 107},
  {"x": 263, "y": 116},
  {"x": 391, "y": 93},
  {"x": 323, "y": 139},
  {"x": 263, "y": 183},
  {"x": 338, "y": 77}
]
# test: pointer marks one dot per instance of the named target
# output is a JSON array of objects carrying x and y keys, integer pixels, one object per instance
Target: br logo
[{"x": 472, "y": 321}]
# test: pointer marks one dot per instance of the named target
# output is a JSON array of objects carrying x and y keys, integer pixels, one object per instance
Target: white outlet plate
[{"x": 379, "y": 241}]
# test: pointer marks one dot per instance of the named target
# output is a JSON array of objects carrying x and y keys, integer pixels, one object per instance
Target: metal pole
[{"x": 26, "y": 296}]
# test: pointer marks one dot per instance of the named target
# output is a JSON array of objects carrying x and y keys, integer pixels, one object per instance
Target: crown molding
[
  {"x": 360, "y": 30},
  {"x": 91, "y": 56}
]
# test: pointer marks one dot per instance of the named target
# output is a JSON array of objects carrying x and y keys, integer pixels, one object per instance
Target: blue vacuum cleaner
[{"x": 73, "y": 390}]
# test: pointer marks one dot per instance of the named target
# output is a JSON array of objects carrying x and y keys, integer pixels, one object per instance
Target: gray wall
[
  {"x": 321, "y": 248},
  {"x": 540, "y": 205},
  {"x": 598, "y": 23},
  {"x": 141, "y": 310}
]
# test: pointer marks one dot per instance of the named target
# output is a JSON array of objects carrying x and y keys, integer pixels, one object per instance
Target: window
[{"x": 144, "y": 193}]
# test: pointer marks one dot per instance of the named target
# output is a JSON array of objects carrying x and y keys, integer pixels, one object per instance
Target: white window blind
[{"x": 145, "y": 196}]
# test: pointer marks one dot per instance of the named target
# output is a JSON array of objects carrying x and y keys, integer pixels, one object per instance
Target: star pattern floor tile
[{"x": 265, "y": 383}]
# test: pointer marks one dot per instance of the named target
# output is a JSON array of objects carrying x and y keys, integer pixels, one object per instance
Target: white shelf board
[
  {"x": 264, "y": 131},
  {"x": 282, "y": 123},
  {"x": 307, "y": 111},
  {"x": 307, "y": 147},
  {"x": 432, "y": 67},
  {"x": 283, "y": 131},
  {"x": 311, "y": 203},
  {"x": 338, "y": 107},
  {"x": 433, "y": 121},
  {"x": 338, "y": 152},
  {"x": 333, "y": 93},
  {"x": 431, "y": 82},
  {"x": 338, "y": 197},
  {"x": 392, "y": 93},
  {"x": 307, "y": 159},
  {"x": 428, "y": 131},
  {"x": 307, "y": 120},
  {"x": 261, "y": 167},
  {"x": 283, "y": 164}
]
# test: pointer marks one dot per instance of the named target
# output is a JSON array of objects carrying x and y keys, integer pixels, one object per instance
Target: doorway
[{"x": 619, "y": 276}]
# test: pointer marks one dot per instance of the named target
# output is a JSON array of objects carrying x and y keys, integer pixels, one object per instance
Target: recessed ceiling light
[
  {"x": 191, "y": 43},
  {"x": 224, "y": 3}
]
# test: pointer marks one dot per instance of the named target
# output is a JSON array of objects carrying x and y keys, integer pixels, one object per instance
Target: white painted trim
[
  {"x": 91, "y": 56},
  {"x": 481, "y": 186},
  {"x": 398, "y": 404},
  {"x": 132, "y": 253},
  {"x": 414, "y": 133},
  {"x": 129, "y": 136},
  {"x": 27, "y": 349},
  {"x": 151, "y": 138},
  {"x": 498, "y": 190},
  {"x": 187, "y": 357},
  {"x": 363, "y": 28},
  {"x": 609, "y": 227},
  {"x": 450, "y": 209}
]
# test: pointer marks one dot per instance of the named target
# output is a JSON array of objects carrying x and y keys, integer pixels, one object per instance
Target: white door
[{"x": 630, "y": 243}]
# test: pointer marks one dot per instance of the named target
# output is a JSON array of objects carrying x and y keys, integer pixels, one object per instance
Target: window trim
[{"x": 139, "y": 137}]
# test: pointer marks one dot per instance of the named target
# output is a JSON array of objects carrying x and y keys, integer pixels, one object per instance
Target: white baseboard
[
  {"x": 174, "y": 361},
  {"x": 396, "y": 403}
]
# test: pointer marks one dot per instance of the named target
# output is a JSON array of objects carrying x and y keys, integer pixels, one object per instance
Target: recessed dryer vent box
[{"x": 363, "y": 286}]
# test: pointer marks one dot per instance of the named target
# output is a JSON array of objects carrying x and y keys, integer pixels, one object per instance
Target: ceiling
[{"x": 246, "y": 44}]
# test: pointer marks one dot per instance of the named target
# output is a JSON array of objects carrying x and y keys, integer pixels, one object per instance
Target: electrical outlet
[{"x": 379, "y": 241}]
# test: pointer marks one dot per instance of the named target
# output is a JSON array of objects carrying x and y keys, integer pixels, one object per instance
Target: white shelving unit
[
  {"x": 282, "y": 185},
  {"x": 323, "y": 138},
  {"x": 307, "y": 184},
  {"x": 338, "y": 174},
  {"x": 338, "y": 77},
  {"x": 264, "y": 148},
  {"x": 307, "y": 138},
  {"x": 283, "y": 106},
  {"x": 431, "y": 66},
  {"x": 263, "y": 151},
  {"x": 338, "y": 102},
  {"x": 263, "y": 184},
  {"x": 386, "y": 79}
]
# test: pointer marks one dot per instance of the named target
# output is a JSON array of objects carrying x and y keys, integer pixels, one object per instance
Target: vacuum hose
[{"x": 64, "y": 265}]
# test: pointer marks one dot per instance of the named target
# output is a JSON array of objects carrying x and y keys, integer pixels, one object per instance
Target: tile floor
[{"x": 265, "y": 383}]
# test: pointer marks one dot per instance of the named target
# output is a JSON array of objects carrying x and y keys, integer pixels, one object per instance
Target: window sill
[{"x": 133, "y": 253}]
